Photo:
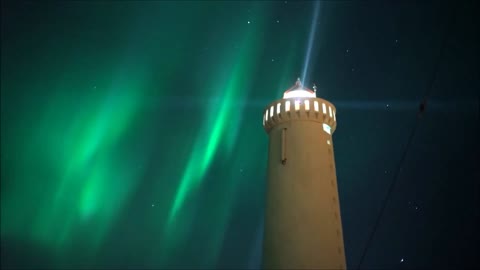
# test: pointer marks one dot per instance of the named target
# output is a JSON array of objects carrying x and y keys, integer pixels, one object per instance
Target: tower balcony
[
  {"x": 300, "y": 109},
  {"x": 300, "y": 104}
]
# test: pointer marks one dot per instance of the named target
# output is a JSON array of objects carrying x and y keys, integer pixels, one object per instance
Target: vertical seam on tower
[{"x": 336, "y": 215}]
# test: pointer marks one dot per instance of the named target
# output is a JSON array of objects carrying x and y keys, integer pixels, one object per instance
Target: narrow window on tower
[
  {"x": 271, "y": 111},
  {"x": 334, "y": 119},
  {"x": 324, "y": 107},
  {"x": 327, "y": 128},
  {"x": 278, "y": 108},
  {"x": 266, "y": 115},
  {"x": 284, "y": 146},
  {"x": 330, "y": 111},
  {"x": 315, "y": 105},
  {"x": 307, "y": 105},
  {"x": 297, "y": 105},
  {"x": 328, "y": 142},
  {"x": 287, "y": 106}
]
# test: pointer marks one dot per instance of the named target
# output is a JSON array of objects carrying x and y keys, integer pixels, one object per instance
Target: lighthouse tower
[{"x": 303, "y": 228}]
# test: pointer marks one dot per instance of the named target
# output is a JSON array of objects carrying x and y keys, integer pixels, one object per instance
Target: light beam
[{"x": 311, "y": 39}]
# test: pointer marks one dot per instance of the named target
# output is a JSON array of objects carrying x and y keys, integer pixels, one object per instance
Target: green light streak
[
  {"x": 219, "y": 133},
  {"x": 73, "y": 168},
  {"x": 75, "y": 141},
  {"x": 202, "y": 156}
]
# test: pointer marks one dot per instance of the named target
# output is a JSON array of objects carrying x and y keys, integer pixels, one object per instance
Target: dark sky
[{"x": 131, "y": 132}]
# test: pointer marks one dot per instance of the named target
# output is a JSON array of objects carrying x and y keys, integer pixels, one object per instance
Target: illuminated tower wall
[{"x": 303, "y": 228}]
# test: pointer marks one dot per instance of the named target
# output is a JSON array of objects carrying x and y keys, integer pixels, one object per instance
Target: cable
[{"x": 410, "y": 138}]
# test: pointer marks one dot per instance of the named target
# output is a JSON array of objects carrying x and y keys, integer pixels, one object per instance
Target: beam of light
[
  {"x": 255, "y": 257},
  {"x": 406, "y": 105},
  {"x": 367, "y": 105},
  {"x": 311, "y": 40}
]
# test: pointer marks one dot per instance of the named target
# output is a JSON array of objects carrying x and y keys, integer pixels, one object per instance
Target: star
[
  {"x": 396, "y": 40},
  {"x": 353, "y": 69},
  {"x": 273, "y": 60},
  {"x": 347, "y": 50},
  {"x": 248, "y": 22},
  {"x": 401, "y": 260},
  {"x": 278, "y": 21},
  {"x": 153, "y": 205},
  {"x": 388, "y": 106}
]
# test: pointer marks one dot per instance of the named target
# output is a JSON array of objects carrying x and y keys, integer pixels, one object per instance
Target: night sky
[{"x": 131, "y": 131}]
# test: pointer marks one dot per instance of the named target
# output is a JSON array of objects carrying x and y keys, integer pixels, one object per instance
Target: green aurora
[{"x": 96, "y": 109}]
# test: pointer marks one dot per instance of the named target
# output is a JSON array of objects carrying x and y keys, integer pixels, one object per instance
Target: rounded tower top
[
  {"x": 299, "y": 91},
  {"x": 300, "y": 103}
]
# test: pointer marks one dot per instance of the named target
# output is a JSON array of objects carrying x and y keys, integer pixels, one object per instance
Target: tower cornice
[{"x": 299, "y": 109}]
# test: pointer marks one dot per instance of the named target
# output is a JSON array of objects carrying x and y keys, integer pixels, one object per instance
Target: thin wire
[{"x": 410, "y": 138}]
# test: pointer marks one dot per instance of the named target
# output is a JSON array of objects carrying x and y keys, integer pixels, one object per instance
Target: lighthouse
[{"x": 303, "y": 227}]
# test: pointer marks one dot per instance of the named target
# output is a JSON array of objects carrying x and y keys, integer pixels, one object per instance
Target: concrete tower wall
[{"x": 303, "y": 225}]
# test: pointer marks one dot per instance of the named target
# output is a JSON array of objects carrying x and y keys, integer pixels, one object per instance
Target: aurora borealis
[{"x": 131, "y": 132}]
